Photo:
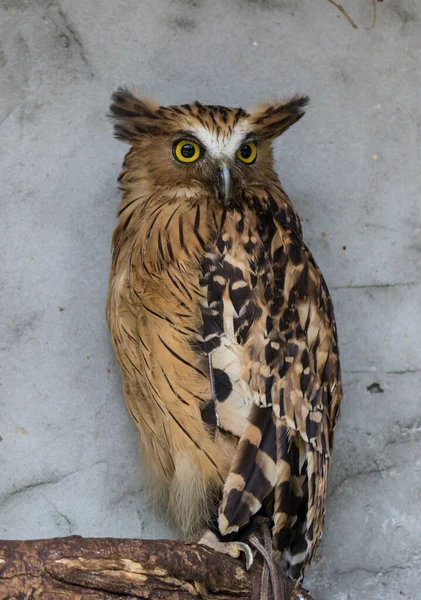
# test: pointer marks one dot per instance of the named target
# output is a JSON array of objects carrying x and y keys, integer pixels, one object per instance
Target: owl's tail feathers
[
  {"x": 274, "y": 467},
  {"x": 309, "y": 506},
  {"x": 286, "y": 468},
  {"x": 253, "y": 473}
]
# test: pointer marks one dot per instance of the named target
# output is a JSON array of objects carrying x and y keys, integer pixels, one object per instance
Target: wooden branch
[{"x": 76, "y": 568}]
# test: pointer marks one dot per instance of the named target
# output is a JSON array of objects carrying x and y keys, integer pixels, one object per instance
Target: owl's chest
[{"x": 229, "y": 312}]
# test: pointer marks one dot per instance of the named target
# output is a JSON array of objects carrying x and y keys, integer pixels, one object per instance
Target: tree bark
[{"x": 76, "y": 568}]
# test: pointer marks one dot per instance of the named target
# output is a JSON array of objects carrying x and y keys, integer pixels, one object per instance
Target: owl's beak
[{"x": 224, "y": 185}]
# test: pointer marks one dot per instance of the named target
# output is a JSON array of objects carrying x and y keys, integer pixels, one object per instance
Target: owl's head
[{"x": 221, "y": 149}]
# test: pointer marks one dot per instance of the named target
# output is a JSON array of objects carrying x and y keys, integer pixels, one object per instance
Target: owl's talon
[
  {"x": 242, "y": 547},
  {"x": 233, "y": 549}
]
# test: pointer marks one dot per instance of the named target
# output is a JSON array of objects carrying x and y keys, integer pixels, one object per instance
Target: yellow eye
[
  {"x": 247, "y": 152},
  {"x": 186, "y": 151}
]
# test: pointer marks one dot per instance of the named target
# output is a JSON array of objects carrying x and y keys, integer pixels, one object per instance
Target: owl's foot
[{"x": 233, "y": 549}]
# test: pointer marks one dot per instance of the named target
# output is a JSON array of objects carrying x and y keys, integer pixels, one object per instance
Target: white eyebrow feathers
[{"x": 225, "y": 145}]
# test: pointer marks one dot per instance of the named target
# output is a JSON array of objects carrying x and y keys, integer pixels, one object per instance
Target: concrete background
[{"x": 68, "y": 453}]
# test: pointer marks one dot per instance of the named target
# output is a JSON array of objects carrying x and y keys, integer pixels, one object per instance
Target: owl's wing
[{"x": 291, "y": 364}]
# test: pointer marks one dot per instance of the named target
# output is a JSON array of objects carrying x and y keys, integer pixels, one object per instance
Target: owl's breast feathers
[{"x": 190, "y": 279}]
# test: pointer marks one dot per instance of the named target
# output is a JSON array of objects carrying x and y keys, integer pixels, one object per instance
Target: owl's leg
[{"x": 233, "y": 549}]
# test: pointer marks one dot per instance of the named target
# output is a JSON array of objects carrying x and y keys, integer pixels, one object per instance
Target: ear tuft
[
  {"x": 133, "y": 115},
  {"x": 271, "y": 120}
]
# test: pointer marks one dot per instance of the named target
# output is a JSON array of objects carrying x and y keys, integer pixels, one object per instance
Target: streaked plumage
[{"x": 193, "y": 275}]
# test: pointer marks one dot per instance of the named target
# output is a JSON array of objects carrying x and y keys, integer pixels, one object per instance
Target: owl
[{"x": 222, "y": 325}]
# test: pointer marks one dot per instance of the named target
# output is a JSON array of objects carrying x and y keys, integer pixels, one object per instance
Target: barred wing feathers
[{"x": 284, "y": 328}]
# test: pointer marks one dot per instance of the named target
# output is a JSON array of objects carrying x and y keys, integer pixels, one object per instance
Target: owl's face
[{"x": 223, "y": 150}]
